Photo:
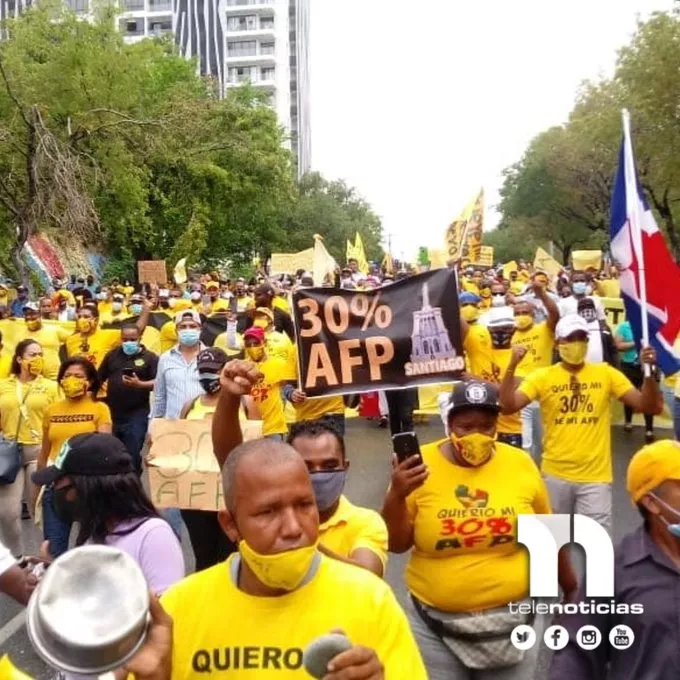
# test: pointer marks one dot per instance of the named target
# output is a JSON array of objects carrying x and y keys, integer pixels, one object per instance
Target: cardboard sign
[
  {"x": 183, "y": 471},
  {"x": 583, "y": 260},
  {"x": 615, "y": 311},
  {"x": 152, "y": 271},
  {"x": 401, "y": 335},
  {"x": 546, "y": 262},
  {"x": 485, "y": 258},
  {"x": 289, "y": 263}
]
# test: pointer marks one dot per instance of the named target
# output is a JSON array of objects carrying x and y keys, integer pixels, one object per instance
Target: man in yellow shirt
[
  {"x": 574, "y": 399},
  {"x": 49, "y": 335},
  {"x": 539, "y": 340},
  {"x": 117, "y": 312},
  {"x": 275, "y": 372},
  {"x": 347, "y": 532},
  {"x": 278, "y": 593}
]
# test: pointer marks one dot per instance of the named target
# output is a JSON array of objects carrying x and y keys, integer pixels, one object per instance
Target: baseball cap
[
  {"x": 254, "y": 332},
  {"x": 265, "y": 311},
  {"x": 93, "y": 454},
  {"x": 187, "y": 314},
  {"x": 651, "y": 466},
  {"x": 570, "y": 324},
  {"x": 32, "y": 306},
  {"x": 211, "y": 360},
  {"x": 500, "y": 316},
  {"x": 212, "y": 284},
  {"x": 472, "y": 394}
]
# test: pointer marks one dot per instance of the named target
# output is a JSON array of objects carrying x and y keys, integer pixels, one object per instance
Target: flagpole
[{"x": 635, "y": 220}]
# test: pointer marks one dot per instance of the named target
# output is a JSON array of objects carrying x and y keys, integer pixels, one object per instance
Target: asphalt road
[{"x": 368, "y": 449}]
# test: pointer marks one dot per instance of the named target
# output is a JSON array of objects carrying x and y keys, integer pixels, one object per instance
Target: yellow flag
[
  {"x": 360, "y": 254},
  {"x": 463, "y": 238},
  {"x": 181, "y": 271},
  {"x": 324, "y": 265},
  {"x": 437, "y": 257},
  {"x": 349, "y": 252},
  {"x": 547, "y": 263},
  {"x": 388, "y": 264},
  {"x": 509, "y": 267}
]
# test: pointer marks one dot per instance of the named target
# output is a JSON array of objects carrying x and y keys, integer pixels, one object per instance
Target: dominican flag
[{"x": 650, "y": 278}]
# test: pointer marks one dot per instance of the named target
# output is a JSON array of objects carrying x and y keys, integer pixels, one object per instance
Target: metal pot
[{"x": 89, "y": 615}]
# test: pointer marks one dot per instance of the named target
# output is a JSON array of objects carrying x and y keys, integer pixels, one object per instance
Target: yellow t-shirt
[
  {"x": 490, "y": 364},
  {"x": 267, "y": 394},
  {"x": 50, "y": 339},
  {"x": 38, "y": 395},
  {"x": 313, "y": 409},
  {"x": 67, "y": 418},
  {"x": 539, "y": 341},
  {"x": 104, "y": 307},
  {"x": 469, "y": 286},
  {"x": 110, "y": 317},
  {"x": 466, "y": 556},
  {"x": 221, "y": 629},
  {"x": 93, "y": 347},
  {"x": 353, "y": 527},
  {"x": 244, "y": 303},
  {"x": 5, "y": 365},
  {"x": 576, "y": 423}
]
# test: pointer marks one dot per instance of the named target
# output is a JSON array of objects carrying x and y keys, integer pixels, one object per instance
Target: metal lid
[{"x": 89, "y": 614}]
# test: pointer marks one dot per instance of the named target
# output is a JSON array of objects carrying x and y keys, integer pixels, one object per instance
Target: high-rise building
[{"x": 264, "y": 42}]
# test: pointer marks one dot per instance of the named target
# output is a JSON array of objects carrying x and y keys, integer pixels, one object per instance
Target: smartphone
[
  {"x": 129, "y": 372},
  {"x": 405, "y": 445}
]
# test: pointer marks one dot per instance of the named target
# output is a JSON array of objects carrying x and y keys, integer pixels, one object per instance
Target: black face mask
[
  {"x": 210, "y": 385},
  {"x": 65, "y": 509},
  {"x": 501, "y": 339}
]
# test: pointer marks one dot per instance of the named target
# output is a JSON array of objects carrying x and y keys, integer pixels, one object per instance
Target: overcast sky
[{"x": 419, "y": 104}]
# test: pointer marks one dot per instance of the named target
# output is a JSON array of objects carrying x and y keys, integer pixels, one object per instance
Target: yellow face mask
[
  {"x": 470, "y": 312},
  {"x": 85, "y": 325},
  {"x": 33, "y": 325},
  {"x": 255, "y": 353},
  {"x": 282, "y": 571},
  {"x": 475, "y": 449},
  {"x": 524, "y": 321},
  {"x": 261, "y": 322},
  {"x": 74, "y": 386},
  {"x": 573, "y": 353},
  {"x": 35, "y": 365}
]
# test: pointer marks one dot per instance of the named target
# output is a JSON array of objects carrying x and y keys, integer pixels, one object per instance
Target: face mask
[
  {"x": 172, "y": 302},
  {"x": 588, "y": 313},
  {"x": 74, "y": 386},
  {"x": 116, "y": 306},
  {"x": 501, "y": 339},
  {"x": 282, "y": 571},
  {"x": 485, "y": 293},
  {"x": 255, "y": 353},
  {"x": 524, "y": 321},
  {"x": 130, "y": 347},
  {"x": 470, "y": 312},
  {"x": 33, "y": 325},
  {"x": 136, "y": 309},
  {"x": 84, "y": 325},
  {"x": 475, "y": 449},
  {"x": 65, "y": 509},
  {"x": 673, "y": 529},
  {"x": 261, "y": 323},
  {"x": 210, "y": 382},
  {"x": 573, "y": 353},
  {"x": 328, "y": 487},
  {"x": 195, "y": 296},
  {"x": 188, "y": 336},
  {"x": 579, "y": 287},
  {"x": 35, "y": 365},
  {"x": 498, "y": 300}
]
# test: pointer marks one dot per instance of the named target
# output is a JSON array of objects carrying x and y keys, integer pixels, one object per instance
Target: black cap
[
  {"x": 92, "y": 454},
  {"x": 473, "y": 394},
  {"x": 211, "y": 360}
]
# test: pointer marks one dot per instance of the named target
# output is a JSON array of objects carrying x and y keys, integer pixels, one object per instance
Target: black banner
[{"x": 400, "y": 335}]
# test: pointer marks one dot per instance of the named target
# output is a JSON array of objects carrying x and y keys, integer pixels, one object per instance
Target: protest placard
[
  {"x": 183, "y": 471},
  {"x": 583, "y": 260},
  {"x": 401, "y": 335},
  {"x": 152, "y": 271},
  {"x": 485, "y": 258},
  {"x": 289, "y": 263}
]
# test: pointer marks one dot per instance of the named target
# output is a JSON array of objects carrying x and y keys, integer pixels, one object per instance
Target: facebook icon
[{"x": 556, "y": 637}]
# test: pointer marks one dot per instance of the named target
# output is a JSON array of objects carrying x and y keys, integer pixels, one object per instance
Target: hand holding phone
[{"x": 405, "y": 445}]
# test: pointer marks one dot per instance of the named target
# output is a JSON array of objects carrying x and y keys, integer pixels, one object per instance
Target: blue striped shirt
[{"x": 176, "y": 384}]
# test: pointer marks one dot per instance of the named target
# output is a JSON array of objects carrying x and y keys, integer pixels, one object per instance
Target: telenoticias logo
[{"x": 544, "y": 535}]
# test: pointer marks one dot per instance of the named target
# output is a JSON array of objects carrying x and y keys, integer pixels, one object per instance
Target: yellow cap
[
  {"x": 265, "y": 311},
  {"x": 182, "y": 304},
  {"x": 212, "y": 284},
  {"x": 220, "y": 306},
  {"x": 651, "y": 466}
]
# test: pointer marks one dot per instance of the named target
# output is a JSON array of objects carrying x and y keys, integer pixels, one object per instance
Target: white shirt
[
  {"x": 570, "y": 306},
  {"x": 595, "y": 353},
  {"x": 6, "y": 559}
]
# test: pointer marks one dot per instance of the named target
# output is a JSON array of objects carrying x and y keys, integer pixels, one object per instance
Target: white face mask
[{"x": 498, "y": 300}]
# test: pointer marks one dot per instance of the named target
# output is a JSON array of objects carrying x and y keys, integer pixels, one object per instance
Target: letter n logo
[{"x": 544, "y": 535}]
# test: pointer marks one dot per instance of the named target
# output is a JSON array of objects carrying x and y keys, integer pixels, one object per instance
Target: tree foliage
[
  {"x": 560, "y": 190},
  {"x": 124, "y": 146}
]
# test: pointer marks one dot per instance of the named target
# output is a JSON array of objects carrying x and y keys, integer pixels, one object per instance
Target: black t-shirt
[{"x": 126, "y": 401}]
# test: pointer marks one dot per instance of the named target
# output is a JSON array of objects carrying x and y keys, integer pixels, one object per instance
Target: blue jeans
[
  {"x": 54, "y": 530},
  {"x": 131, "y": 430},
  {"x": 676, "y": 418}
]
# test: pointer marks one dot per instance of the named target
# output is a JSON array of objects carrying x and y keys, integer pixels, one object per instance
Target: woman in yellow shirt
[
  {"x": 457, "y": 508},
  {"x": 209, "y": 542},
  {"x": 24, "y": 398},
  {"x": 78, "y": 413}
]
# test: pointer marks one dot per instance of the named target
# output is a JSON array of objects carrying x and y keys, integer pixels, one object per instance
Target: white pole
[{"x": 635, "y": 222}]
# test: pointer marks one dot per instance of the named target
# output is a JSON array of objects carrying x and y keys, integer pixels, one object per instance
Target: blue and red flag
[{"x": 650, "y": 277}]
